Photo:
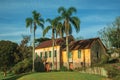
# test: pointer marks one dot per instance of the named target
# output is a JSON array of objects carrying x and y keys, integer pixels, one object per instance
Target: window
[
  {"x": 97, "y": 55},
  {"x": 49, "y": 53},
  {"x": 79, "y": 53},
  {"x": 55, "y": 53},
  {"x": 70, "y": 55},
  {"x": 40, "y": 54},
  {"x": 45, "y": 54}
]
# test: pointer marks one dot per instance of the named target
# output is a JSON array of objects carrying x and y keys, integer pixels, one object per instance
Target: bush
[
  {"x": 80, "y": 68},
  {"x": 63, "y": 68},
  {"x": 104, "y": 59},
  {"x": 23, "y": 66},
  {"x": 117, "y": 77},
  {"x": 39, "y": 66},
  {"x": 113, "y": 70}
]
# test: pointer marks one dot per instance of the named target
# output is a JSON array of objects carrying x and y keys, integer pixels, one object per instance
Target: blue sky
[{"x": 94, "y": 16}]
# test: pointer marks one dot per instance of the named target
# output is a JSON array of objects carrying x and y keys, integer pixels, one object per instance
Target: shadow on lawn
[{"x": 14, "y": 77}]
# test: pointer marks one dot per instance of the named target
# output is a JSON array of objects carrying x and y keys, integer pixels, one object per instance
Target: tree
[
  {"x": 25, "y": 51},
  {"x": 33, "y": 22},
  {"x": 7, "y": 50},
  {"x": 68, "y": 21},
  {"x": 110, "y": 36},
  {"x": 59, "y": 29},
  {"x": 40, "y": 40},
  {"x": 53, "y": 23}
]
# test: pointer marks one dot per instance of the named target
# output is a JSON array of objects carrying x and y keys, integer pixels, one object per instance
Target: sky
[{"x": 93, "y": 14}]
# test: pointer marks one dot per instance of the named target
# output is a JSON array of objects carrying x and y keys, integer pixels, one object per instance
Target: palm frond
[
  {"x": 29, "y": 22},
  {"x": 49, "y": 20},
  {"x": 41, "y": 25},
  {"x": 76, "y": 22},
  {"x": 35, "y": 15},
  {"x": 61, "y": 10},
  {"x": 46, "y": 30},
  {"x": 42, "y": 20},
  {"x": 71, "y": 10}
]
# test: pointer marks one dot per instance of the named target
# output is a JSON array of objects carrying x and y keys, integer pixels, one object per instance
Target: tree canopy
[
  {"x": 110, "y": 35},
  {"x": 7, "y": 50}
]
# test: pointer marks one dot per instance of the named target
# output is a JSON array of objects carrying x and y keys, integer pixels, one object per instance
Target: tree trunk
[
  {"x": 61, "y": 33},
  {"x": 67, "y": 51},
  {"x": 67, "y": 46},
  {"x": 33, "y": 49},
  {"x": 53, "y": 48}
]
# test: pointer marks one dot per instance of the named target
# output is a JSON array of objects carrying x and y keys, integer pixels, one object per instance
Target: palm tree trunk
[
  {"x": 61, "y": 33},
  {"x": 53, "y": 48},
  {"x": 67, "y": 51},
  {"x": 67, "y": 46},
  {"x": 33, "y": 49}
]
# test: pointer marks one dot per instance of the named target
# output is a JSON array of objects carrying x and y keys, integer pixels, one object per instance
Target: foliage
[
  {"x": 40, "y": 40},
  {"x": 104, "y": 59},
  {"x": 23, "y": 66},
  {"x": 63, "y": 68},
  {"x": 113, "y": 70},
  {"x": 68, "y": 21},
  {"x": 39, "y": 66},
  {"x": 25, "y": 51},
  {"x": 7, "y": 50},
  {"x": 33, "y": 22},
  {"x": 111, "y": 35}
]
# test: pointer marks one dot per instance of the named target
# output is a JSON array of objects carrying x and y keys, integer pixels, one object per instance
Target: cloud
[{"x": 12, "y": 34}]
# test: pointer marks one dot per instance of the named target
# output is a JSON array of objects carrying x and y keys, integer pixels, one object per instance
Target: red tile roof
[
  {"x": 73, "y": 45},
  {"x": 59, "y": 41}
]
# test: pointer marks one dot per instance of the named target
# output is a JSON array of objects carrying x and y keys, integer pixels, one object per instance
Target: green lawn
[{"x": 61, "y": 76}]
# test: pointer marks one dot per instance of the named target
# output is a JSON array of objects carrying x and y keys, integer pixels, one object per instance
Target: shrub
[
  {"x": 39, "y": 66},
  {"x": 113, "y": 70},
  {"x": 79, "y": 68},
  {"x": 63, "y": 68},
  {"x": 23, "y": 66},
  {"x": 104, "y": 59}
]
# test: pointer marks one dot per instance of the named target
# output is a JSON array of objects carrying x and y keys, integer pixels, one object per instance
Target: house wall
[
  {"x": 50, "y": 59},
  {"x": 84, "y": 60},
  {"x": 97, "y": 50}
]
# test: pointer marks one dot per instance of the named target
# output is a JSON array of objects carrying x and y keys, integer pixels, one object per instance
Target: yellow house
[
  {"x": 81, "y": 53},
  {"x": 84, "y": 53},
  {"x": 45, "y": 51}
]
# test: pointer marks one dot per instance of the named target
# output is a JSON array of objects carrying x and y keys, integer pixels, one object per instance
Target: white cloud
[{"x": 13, "y": 33}]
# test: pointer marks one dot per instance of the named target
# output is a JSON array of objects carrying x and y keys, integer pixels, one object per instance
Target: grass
[
  {"x": 1, "y": 75},
  {"x": 11, "y": 76},
  {"x": 61, "y": 76}
]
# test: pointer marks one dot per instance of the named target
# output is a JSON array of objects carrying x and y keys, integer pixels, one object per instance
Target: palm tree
[
  {"x": 59, "y": 29},
  {"x": 69, "y": 20},
  {"x": 53, "y": 23},
  {"x": 33, "y": 22}
]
